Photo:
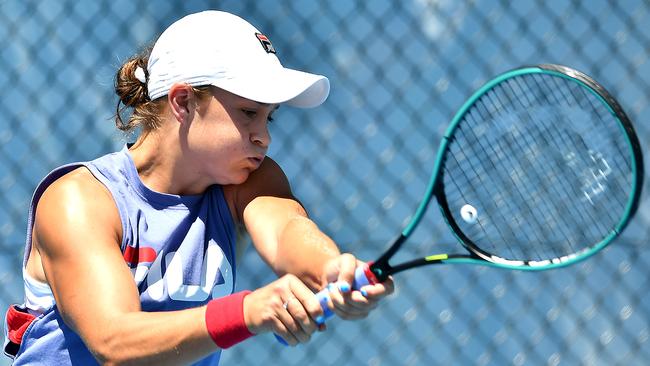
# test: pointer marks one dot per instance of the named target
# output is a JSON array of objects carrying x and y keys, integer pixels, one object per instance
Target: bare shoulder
[
  {"x": 268, "y": 180},
  {"x": 76, "y": 203},
  {"x": 76, "y": 190}
]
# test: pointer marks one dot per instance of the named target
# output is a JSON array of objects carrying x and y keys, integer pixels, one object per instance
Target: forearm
[
  {"x": 303, "y": 249},
  {"x": 151, "y": 338}
]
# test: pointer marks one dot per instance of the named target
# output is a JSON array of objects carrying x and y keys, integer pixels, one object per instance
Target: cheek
[{"x": 214, "y": 138}]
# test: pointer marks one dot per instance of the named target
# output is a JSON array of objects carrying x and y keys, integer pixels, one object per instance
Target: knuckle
[
  {"x": 277, "y": 289},
  {"x": 275, "y": 303},
  {"x": 303, "y": 318},
  {"x": 349, "y": 257},
  {"x": 290, "y": 277},
  {"x": 313, "y": 308},
  {"x": 290, "y": 339},
  {"x": 302, "y": 337},
  {"x": 271, "y": 314},
  {"x": 291, "y": 325}
]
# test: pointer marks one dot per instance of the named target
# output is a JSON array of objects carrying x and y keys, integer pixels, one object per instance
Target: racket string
[
  {"x": 493, "y": 206},
  {"x": 505, "y": 179},
  {"x": 532, "y": 169},
  {"x": 557, "y": 138},
  {"x": 598, "y": 112},
  {"x": 530, "y": 147},
  {"x": 519, "y": 178},
  {"x": 473, "y": 187}
]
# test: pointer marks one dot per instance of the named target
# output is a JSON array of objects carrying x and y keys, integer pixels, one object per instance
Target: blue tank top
[{"x": 180, "y": 249}]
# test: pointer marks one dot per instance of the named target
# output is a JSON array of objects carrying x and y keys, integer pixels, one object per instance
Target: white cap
[{"x": 224, "y": 50}]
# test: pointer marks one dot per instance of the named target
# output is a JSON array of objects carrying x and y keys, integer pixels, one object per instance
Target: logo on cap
[{"x": 264, "y": 40}]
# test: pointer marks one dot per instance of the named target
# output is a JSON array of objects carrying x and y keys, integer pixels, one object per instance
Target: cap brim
[{"x": 281, "y": 86}]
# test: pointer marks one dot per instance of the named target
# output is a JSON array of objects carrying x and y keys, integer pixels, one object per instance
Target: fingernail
[
  {"x": 320, "y": 320},
  {"x": 330, "y": 287},
  {"x": 344, "y": 286},
  {"x": 364, "y": 293}
]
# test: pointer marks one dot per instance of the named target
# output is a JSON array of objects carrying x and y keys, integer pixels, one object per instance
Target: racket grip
[{"x": 362, "y": 277}]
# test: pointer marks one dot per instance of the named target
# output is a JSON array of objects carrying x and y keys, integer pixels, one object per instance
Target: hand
[
  {"x": 346, "y": 303},
  {"x": 286, "y": 307}
]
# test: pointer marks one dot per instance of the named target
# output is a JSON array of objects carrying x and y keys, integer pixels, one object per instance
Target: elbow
[
  {"x": 107, "y": 350},
  {"x": 103, "y": 355},
  {"x": 103, "y": 342}
]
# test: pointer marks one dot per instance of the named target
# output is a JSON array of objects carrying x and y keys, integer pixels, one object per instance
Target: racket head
[{"x": 539, "y": 169}]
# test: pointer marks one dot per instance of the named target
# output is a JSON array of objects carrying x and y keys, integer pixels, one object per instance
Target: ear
[{"x": 181, "y": 102}]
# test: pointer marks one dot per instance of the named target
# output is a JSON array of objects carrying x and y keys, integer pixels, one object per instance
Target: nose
[{"x": 261, "y": 136}]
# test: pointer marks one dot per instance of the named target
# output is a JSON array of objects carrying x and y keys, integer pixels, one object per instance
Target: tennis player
[{"x": 131, "y": 258}]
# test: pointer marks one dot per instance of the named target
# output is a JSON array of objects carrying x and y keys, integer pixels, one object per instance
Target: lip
[{"x": 257, "y": 160}]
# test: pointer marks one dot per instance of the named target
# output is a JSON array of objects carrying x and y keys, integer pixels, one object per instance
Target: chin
[
  {"x": 239, "y": 181},
  {"x": 239, "y": 178}
]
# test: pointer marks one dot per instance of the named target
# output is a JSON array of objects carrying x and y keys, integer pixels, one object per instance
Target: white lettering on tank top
[{"x": 214, "y": 262}]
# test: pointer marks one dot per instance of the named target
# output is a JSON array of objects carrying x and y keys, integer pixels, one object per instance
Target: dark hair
[{"x": 132, "y": 92}]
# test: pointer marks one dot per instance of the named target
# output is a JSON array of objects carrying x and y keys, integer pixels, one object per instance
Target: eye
[
  {"x": 249, "y": 113},
  {"x": 252, "y": 114}
]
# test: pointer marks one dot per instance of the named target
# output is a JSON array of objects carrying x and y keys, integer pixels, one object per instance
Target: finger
[
  {"x": 290, "y": 324},
  {"x": 305, "y": 309},
  {"x": 378, "y": 291},
  {"x": 347, "y": 266},
  {"x": 284, "y": 333},
  {"x": 349, "y": 313},
  {"x": 301, "y": 317},
  {"x": 348, "y": 306},
  {"x": 308, "y": 301}
]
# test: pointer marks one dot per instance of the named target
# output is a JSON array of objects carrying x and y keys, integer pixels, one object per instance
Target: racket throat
[
  {"x": 381, "y": 268},
  {"x": 381, "y": 272}
]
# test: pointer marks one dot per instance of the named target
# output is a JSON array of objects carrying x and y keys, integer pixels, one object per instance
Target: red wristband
[{"x": 224, "y": 318}]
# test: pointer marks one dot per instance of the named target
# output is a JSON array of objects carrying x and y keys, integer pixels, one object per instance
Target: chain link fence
[{"x": 360, "y": 162}]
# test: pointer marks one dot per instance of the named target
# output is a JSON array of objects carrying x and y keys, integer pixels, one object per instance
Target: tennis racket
[{"x": 539, "y": 169}]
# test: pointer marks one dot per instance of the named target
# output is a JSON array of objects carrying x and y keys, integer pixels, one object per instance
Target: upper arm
[
  {"x": 267, "y": 181},
  {"x": 77, "y": 234},
  {"x": 264, "y": 204}
]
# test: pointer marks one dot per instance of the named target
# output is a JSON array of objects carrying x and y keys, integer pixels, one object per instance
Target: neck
[{"x": 158, "y": 160}]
